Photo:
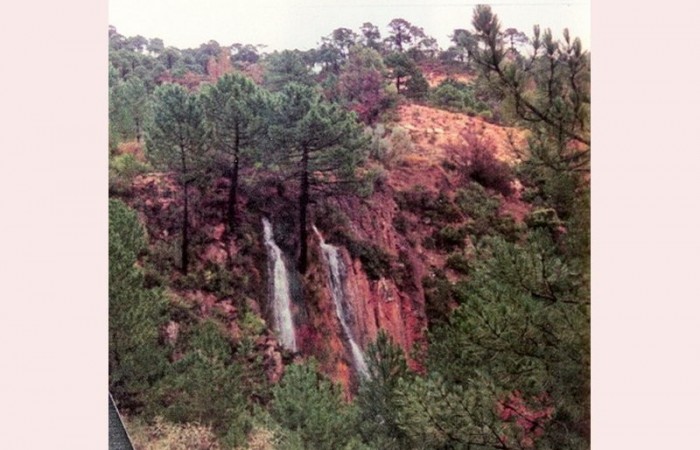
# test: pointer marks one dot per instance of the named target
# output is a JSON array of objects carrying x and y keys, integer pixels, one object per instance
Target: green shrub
[
  {"x": 373, "y": 179},
  {"x": 400, "y": 223},
  {"x": 389, "y": 146},
  {"x": 456, "y": 96},
  {"x": 449, "y": 237},
  {"x": 122, "y": 171},
  {"x": 479, "y": 206},
  {"x": 458, "y": 262},
  {"x": 417, "y": 86},
  {"x": 419, "y": 201},
  {"x": 375, "y": 261},
  {"x": 438, "y": 297}
]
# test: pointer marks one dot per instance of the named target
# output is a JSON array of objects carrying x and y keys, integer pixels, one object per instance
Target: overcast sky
[{"x": 288, "y": 24}]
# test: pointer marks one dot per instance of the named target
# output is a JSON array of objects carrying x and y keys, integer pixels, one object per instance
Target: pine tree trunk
[
  {"x": 185, "y": 232},
  {"x": 233, "y": 189},
  {"x": 303, "y": 205},
  {"x": 138, "y": 131}
]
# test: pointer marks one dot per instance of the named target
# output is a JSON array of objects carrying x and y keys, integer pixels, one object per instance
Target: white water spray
[
  {"x": 279, "y": 291},
  {"x": 335, "y": 265}
]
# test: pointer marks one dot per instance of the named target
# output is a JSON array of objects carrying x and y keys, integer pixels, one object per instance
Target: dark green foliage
[
  {"x": 458, "y": 262},
  {"x": 177, "y": 135},
  {"x": 287, "y": 67},
  {"x": 177, "y": 142},
  {"x": 421, "y": 202},
  {"x": 481, "y": 208},
  {"x": 406, "y": 74},
  {"x": 316, "y": 143},
  {"x": 245, "y": 54},
  {"x": 136, "y": 360},
  {"x": 362, "y": 84},
  {"x": 122, "y": 171},
  {"x": 465, "y": 44},
  {"x": 476, "y": 202},
  {"x": 437, "y": 415},
  {"x": 548, "y": 186},
  {"x": 403, "y": 35},
  {"x": 449, "y": 237},
  {"x": 401, "y": 67},
  {"x": 523, "y": 325},
  {"x": 371, "y": 37},
  {"x": 417, "y": 86},
  {"x": 544, "y": 218},
  {"x": 375, "y": 261},
  {"x": 549, "y": 92},
  {"x": 312, "y": 406},
  {"x": 376, "y": 398},
  {"x": 203, "y": 385},
  {"x": 129, "y": 110},
  {"x": 456, "y": 96},
  {"x": 235, "y": 109},
  {"x": 438, "y": 297}
]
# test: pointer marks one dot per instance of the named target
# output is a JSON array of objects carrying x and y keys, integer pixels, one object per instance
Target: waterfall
[
  {"x": 335, "y": 266},
  {"x": 279, "y": 291}
]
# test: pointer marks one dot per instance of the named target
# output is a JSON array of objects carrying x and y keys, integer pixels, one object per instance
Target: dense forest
[{"x": 373, "y": 244}]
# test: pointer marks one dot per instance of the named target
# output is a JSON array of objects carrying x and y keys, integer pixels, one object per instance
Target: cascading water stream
[
  {"x": 335, "y": 265},
  {"x": 279, "y": 291}
]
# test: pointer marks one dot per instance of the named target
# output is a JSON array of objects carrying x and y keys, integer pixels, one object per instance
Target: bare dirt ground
[{"x": 435, "y": 134}]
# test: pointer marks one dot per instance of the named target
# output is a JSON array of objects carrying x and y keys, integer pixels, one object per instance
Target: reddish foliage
[
  {"x": 482, "y": 165},
  {"x": 365, "y": 92},
  {"x": 220, "y": 65},
  {"x": 530, "y": 419},
  {"x": 132, "y": 148},
  {"x": 363, "y": 88},
  {"x": 190, "y": 80}
]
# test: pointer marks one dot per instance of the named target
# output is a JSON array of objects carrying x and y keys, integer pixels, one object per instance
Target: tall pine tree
[
  {"x": 234, "y": 109},
  {"x": 318, "y": 143},
  {"x": 177, "y": 142}
]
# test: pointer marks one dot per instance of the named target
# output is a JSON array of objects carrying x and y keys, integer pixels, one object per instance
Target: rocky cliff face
[{"x": 392, "y": 300}]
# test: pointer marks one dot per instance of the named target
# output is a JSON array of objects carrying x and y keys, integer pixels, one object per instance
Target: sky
[{"x": 289, "y": 24}]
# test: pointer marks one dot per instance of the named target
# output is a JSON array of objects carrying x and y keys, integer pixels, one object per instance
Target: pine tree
[
  {"x": 362, "y": 84},
  {"x": 312, "y": 406},
  {"x": 177, "y": 142},
  {"x": 377, "y": 395},
  {"x": 136, "y": 360},
  {"x": 522, "y": 329},
  {"x": 203, "y": 385},
  {"x": 549, "y": 91},
  {"x": 318, "y": 143},
  {"x": 234, "y": 109}
]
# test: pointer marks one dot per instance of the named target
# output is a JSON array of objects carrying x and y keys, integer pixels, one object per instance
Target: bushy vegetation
[
  {"x": 456, "y": 96},
  {"x": 389, "y": 146},
  {"x": 122, "y": 171},
  {"x": 480, "y": 163}
]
